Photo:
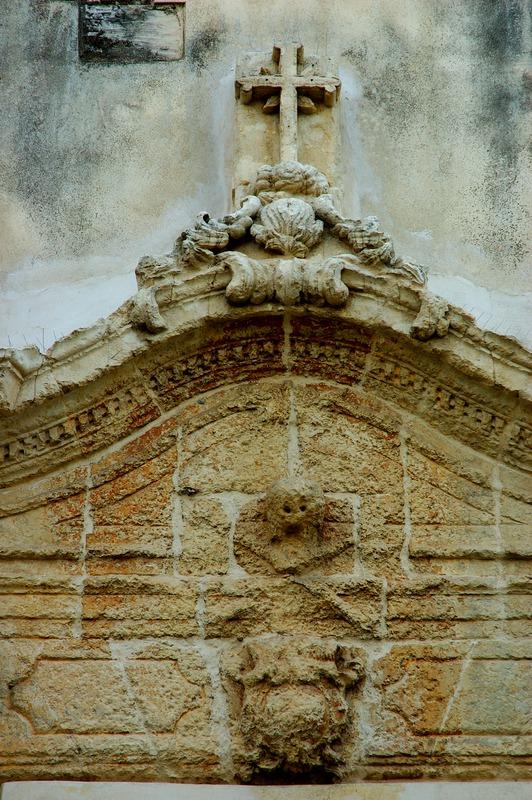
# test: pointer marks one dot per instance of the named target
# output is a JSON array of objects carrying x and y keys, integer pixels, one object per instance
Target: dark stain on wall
[
  {"x": 130, "y": 32},
  {"x": 498, "y": 29},
  {"x": 203, "y": 46},
  {"x": 408, "y": 83},
  {"x": 500, "y": 25}
]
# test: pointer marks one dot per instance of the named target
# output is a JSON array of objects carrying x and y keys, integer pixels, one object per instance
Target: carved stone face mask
[{"x": 295, "y": 510}]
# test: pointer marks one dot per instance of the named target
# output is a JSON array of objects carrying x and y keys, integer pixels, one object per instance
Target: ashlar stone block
[
  {"x": 341, "y": 449},
  {"x": 303, "y": 605},
  {"x": 235, "y": 440},
  {"x": 203, "y": 536},
  {"x": 131, "y": 507},
  {"x": 125, "y": 607}
]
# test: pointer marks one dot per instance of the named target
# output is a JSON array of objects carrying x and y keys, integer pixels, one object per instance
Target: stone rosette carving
[
  {"x": 294, "y": 529},
  {"x": 290, "y": 702}
]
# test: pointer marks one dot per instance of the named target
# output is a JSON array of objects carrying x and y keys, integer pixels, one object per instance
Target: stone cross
[{"x": 288, "y": 90}]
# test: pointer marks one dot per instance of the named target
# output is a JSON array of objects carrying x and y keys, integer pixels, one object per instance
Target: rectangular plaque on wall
[{"x": 131, "y": 31}]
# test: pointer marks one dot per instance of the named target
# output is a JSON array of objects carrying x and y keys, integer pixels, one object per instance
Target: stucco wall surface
[
  {"x": 102, "y": 164},
  {"x": 402, "y": 791}
]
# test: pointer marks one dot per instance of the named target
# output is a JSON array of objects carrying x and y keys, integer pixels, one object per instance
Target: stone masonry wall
[
  {"x": 149, "y": 635},
  {"x": 100, "y": 163}
]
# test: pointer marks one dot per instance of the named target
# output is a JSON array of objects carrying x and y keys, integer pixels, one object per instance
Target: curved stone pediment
[
  {"x": 100, "y": 383},
  {"x": 166, "y": 622},
  {"x": 250, "y": 521}
]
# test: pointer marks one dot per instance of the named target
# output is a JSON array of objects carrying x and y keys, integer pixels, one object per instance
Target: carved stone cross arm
[{"x": 289, "y": 89}]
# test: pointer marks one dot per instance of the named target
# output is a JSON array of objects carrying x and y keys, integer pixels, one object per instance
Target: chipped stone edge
[
  {"x": 28, "y": 376},
  {"x": 89, "y": 358}
]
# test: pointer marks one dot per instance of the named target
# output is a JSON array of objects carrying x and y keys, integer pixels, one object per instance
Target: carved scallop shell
[{"x": 288, "y": 226}]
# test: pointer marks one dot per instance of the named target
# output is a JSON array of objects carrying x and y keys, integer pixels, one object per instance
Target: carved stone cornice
[{"x": 97, "y": 384}]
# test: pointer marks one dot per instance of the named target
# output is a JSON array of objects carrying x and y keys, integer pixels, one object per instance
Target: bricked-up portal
[{"x": 267, "y": 524}]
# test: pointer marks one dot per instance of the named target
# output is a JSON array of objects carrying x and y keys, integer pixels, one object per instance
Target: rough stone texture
[
  {"x": 435, "y": 96},
  {"x": 290, "y": 705},
  {"x": 328, "y": 550},
  {"x": 269, "y": 521},
  {"x": 131, "y": 577}
]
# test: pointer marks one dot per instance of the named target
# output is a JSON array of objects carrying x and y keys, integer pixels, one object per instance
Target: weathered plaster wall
[{"x": 101, "y": 164}]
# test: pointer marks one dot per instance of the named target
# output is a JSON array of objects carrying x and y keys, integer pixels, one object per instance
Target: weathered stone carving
[
  {"x": 145, "y": 312},
  {"x": 196, "y": 246},
  {"x": 290, "y": 177},
  {"x": 288, "y": 226},
  {"x": 371, "y": 245},
  {"x": 295, "y": 509},
  {"x": 290, "y": 83},
  {"x": 155, "y": 270},
  {"x": 142, "y": 541},
  {"x": 289, "y": 281},
  {"x": 281, "y": 218},
  {"x": 15, "y": 365},
  {"x": 432, "y": 319},
  {"x": 294, "y": 529},
  {"x": 295, "y": 705}
]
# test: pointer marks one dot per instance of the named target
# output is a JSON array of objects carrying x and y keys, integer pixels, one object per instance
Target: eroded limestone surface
[
  {"x": 269, "y": 522},
  {"x": 152, "y": 631}
]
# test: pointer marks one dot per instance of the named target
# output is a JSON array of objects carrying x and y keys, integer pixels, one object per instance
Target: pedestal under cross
[{"x": 288, "y": 90}]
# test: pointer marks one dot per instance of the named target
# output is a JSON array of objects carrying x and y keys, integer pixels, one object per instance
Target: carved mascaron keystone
[
  {"x": 294, "y": 529},
  {"x": 295, "y": 510},
  {"x": 290, "y": 701}
]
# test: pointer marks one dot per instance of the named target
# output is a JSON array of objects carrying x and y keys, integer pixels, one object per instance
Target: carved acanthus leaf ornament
[{"x": 287, "y": 216}]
